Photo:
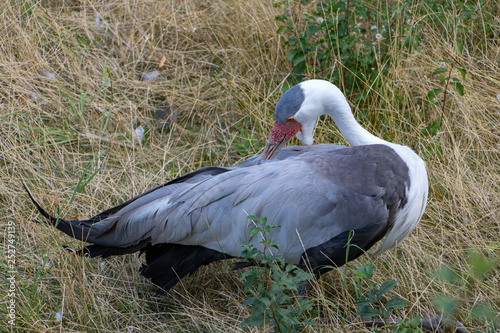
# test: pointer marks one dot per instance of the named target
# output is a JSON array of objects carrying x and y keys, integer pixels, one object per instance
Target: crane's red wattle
[{"x": 284, "y": 131}]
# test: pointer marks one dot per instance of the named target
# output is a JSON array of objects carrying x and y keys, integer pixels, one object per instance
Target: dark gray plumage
[{"x": 289, "y": 103}]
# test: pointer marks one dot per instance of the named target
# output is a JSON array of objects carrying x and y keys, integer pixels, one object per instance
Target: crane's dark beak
[
  {"x": 272, "y": 149},
  {"x": 280, "y": 134}
]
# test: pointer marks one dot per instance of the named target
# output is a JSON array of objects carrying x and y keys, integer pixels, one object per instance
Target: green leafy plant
[
  {"x": 407, "y": 325},
  {"x": 373, "y": 304},
  {"x": 245, "y": 143},
  {"x": 446, "y": 77},
  {"x": 274, "y": 286},
  {"x": 445, "y": 80},
  {"x": 347, "y": 41},
  {"x": 480, "y": 267}
]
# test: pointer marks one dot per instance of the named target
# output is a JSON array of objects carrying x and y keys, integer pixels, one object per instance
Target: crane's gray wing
[
  {"x": 313, "y": 199},
  {"x": 94, "y": 227},
  {"x": 166, "y": 189}
]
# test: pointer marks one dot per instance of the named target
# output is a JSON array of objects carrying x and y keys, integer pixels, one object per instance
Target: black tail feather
[
  {"x": 80, "y": 230},
  {"x": 42, "y": 211}
]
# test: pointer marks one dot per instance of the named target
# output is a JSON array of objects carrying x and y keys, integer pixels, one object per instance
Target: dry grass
[{"x": 222, "y": 75}]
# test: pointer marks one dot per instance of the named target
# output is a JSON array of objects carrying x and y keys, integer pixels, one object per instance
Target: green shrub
[{"x": 274, "y": 286}]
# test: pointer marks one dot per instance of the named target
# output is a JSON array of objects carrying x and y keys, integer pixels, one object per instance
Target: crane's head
[
  {"x": 285, "y": 126},
  {"x": 297, "y": 111}
]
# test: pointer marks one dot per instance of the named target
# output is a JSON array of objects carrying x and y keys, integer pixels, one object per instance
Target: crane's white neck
[{"x": 324, "y": 98}]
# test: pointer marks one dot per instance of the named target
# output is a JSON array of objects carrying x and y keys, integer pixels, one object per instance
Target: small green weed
[
  {"x": 373, "y": 304},
  {"x": 245, "y": 145},
  {"x": 445, "y": 78},
  {"x": 407, "y": 326},
  {"x": 464, "y": 283},
  {"x": 274, "y": 286}
]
